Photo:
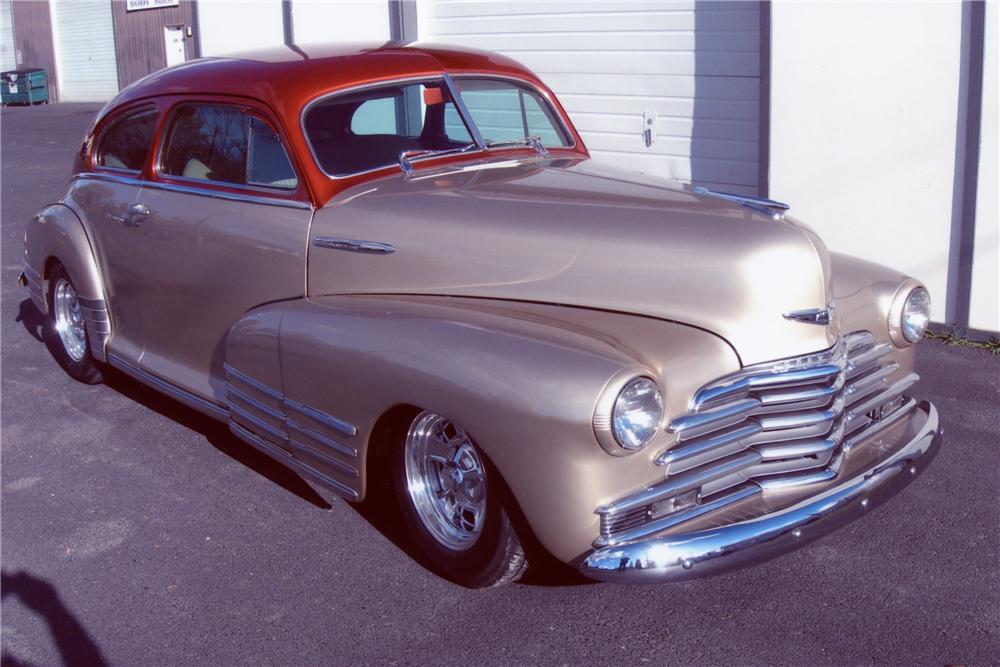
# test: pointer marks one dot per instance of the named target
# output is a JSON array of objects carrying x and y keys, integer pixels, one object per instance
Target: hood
[{"x": 574, "y": 232}]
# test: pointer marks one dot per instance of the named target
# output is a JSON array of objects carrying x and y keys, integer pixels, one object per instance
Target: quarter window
[
  {"x": 126, "y": 143},
  {"x": 224, "y": 144}
]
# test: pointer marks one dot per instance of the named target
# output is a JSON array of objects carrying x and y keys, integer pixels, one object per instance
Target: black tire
[
  {"x": 495, "y": 558},
  {"x": 84, "y": 369}
]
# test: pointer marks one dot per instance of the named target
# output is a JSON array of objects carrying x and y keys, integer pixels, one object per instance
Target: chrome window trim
[
  {"x": 186, "y": 189},
  {"x": 444, "y": 77},
  {"x": 170, "y": 178}
]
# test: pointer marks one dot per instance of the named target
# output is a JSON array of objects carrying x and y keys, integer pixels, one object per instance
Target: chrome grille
[{"x": 779, "y": 424}]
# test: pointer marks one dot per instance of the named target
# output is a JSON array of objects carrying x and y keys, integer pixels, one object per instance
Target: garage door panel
[
  {"x": 696, "y": 65},
  {"x": 83, "y": 35},
  {"x": 668, "y": 126},
  {"x": 630, "y": 41}
]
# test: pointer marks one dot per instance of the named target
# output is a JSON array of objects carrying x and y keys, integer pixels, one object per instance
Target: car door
[
  {"x": 223, "y": 226},
  {"x": 106, "y": 197}
]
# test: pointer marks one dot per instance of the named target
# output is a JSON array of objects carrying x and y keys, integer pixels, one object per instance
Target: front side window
[
  {"x": 369, "y": 129},
  {"x": 366, "y": 130},
  {"x": 225, "y": 144},
  {"x": 126, "y": 143}
]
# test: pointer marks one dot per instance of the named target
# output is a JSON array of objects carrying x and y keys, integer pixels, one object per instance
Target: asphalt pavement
[{"x": 136, "y": 532}]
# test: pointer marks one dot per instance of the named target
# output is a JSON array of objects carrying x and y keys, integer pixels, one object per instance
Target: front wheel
[
  {"x": 450, "y": 499},
  {"x": 66, "y": 331}
]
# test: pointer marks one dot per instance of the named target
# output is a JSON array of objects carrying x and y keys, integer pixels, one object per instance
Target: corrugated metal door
[
  {"x": 614, "y": 65},
  {"x": 84, "y": 39},
  {"x": 8, "y": 59}
]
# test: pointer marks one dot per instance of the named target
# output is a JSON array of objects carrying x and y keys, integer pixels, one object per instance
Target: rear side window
[
  {"x": 126, "y": 143},
  {"x": 224, "y": 144}
]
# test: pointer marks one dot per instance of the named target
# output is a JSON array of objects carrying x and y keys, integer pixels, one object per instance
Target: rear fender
[{"x": 56, "y": 235}]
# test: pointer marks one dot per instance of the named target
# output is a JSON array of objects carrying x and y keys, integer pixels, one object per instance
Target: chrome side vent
[
  {"x": 779, "y": 424},
  {"x": 293, "y": 433}
]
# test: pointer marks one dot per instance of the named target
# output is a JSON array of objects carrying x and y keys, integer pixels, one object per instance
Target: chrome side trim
[
  {"x": 298, "y": 466},
  {"x": 187, "y": 398},
  {"x": 192, "y": 190},
  {"x": 706, "y": 552},
  {"x": 36, "y": 286},
  {"x": 259, "y": 386},
  {"x": 366, "y": 247},
  {"x": 769, "y": 207},
  {"x": 297, "y": 428},
  {"x": 336, "y": 424},
  {"x": 98, "y": 324}
]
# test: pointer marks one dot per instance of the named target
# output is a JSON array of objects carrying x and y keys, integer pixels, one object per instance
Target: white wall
[
  {"x": 229, "y": 25},
  {"x": 864, "y": 111},
  {"x": 984, "y": 310},
  {"x": 345, "y": 21}
]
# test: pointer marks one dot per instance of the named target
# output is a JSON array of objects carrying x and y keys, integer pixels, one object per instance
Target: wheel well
[
  {"x": 388, "y": 432},
  {"x": 383, "y": 438}
]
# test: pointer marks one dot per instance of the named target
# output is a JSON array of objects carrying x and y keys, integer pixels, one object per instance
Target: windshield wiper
[
  {"x": 406, "y": 158},
  {"x": 531, "y": 142}
]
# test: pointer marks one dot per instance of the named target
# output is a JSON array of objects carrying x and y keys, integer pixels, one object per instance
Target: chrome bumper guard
[{"x": 703, "y": 553}]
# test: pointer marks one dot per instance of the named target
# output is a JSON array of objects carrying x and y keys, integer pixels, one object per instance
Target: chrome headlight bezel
[
  {"x": 906, "y": 295},
  {"x": 604, "y": 415}
]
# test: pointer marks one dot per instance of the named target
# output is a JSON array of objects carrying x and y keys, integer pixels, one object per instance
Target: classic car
[{"x": 396, "y": 270}]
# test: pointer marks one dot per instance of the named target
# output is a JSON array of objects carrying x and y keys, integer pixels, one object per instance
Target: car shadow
[
  {"x": 32, "y": 319},
  {"x": 216, "y": 433},
  {"x": 378, "y": 509},
  {"x": 75, "y": 645}
]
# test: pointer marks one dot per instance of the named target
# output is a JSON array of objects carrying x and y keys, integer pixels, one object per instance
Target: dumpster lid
[{"x": 19, "y": 72}]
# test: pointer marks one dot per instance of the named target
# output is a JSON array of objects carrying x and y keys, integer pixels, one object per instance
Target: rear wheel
[
  {"x": 66, "y": 331},
  {"x": 451, "y": 502}
]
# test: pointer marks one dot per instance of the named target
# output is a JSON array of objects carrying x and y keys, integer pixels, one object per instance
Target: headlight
[
  {"x": 637, "y": 414},
  {"x": 916, "y": 315}
]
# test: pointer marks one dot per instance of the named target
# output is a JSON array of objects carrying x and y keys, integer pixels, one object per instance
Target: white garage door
[
  {"x": 84, "y": 39},
  {"x": 694, "y": 65},
  {"x": 7, "y": 57}
]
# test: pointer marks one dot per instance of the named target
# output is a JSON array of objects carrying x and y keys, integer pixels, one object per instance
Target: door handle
[{"x": 137, "y": 214}]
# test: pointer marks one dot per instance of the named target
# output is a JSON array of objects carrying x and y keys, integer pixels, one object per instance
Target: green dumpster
[{"x": 24, "y": 86}]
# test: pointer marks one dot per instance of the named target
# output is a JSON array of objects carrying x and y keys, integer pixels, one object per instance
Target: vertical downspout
[
  {"x": 764, "y": 119},
  {"x": 286, "y": 22},
  {"x": 967, "y": 137}
]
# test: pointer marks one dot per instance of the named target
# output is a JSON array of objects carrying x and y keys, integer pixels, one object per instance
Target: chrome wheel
[
  {"x": 446, "y": 480},
  {"x": 69, "y": 320}
]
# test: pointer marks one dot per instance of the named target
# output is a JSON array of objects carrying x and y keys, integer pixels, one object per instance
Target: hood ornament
[
  {"x": 819, "y": 316},
  {"x": 772, "y": 209}
]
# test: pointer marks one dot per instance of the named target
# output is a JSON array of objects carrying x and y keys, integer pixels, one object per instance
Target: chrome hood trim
[{"x": 566, "y": 231}]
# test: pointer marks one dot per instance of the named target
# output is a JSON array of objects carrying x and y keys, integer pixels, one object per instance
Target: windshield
[{"x": 370, "y": 129}]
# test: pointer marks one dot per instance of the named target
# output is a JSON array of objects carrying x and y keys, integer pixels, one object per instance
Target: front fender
[
  {"x": 57, "y": 234},
  {"x": 522, "y": 379}
]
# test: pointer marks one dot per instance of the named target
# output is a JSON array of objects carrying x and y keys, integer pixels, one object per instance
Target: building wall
[
  {"x": 864, "y": 121},
  {"x": 694, "y": 64},
  {"x": 345, "y": 21},
  {"x": 985, "y": 299},
  {"x": 226, "y": 27},
  {"x": 33, "y": 40},
  {"x": 139, "y": 38}
]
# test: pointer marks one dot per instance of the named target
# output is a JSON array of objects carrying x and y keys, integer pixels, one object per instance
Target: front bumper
[{"x": 702, "y": 553}]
